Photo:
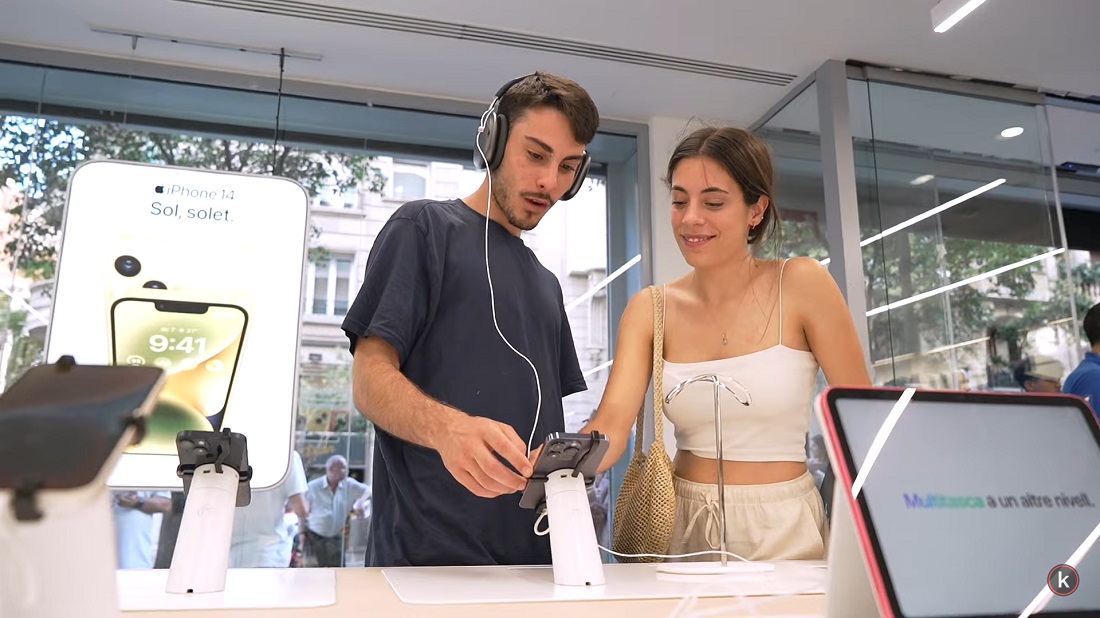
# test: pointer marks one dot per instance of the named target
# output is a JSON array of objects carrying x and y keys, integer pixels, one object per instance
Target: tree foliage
[
  {"x": 41, "y": 156},
  {"x": 1010, "y": 306}
]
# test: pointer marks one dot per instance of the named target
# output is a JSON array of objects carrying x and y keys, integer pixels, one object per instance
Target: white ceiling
[{"x": 1050, "y": 44}]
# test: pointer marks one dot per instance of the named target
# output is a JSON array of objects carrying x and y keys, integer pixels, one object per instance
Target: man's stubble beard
[{"x": 501, "y": 191}]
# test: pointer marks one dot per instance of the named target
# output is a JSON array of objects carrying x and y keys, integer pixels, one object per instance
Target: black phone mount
[
  {"x": 69, "y": 420},
  {"x": 579, "y": 469},
  {"x": 225, "y": 448},
  {"x": 583, "y": 466}
]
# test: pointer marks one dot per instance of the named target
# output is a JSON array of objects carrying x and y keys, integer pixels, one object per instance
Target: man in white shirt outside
[
  {"x": 332, "y": 498},
  {"x": 135, "y": 526},
  {"x": 261, "y": 537}
]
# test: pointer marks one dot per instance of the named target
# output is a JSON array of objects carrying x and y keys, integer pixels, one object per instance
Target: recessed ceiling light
[
  {"x": 1012, "y": 132},
  {"x": 920, "y": 180}
]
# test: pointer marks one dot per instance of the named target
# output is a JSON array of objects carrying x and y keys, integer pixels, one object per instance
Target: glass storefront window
[
  {"x": 962, "y": 249},
  {"x": 794, "y": 135},
  {"x": 358, "y": 163}
]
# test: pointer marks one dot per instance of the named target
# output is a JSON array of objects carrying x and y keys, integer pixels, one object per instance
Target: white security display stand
[{"x": 575, "y": 552}]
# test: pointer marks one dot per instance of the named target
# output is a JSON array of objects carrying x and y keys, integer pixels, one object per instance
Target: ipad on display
[
  {"x": 199, "y": 273},
  {"x": 969, "y": 504}
]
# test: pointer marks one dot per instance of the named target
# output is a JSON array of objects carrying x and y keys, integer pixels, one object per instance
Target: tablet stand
[
  {"x": 57, "y": 537},
  {"x": 723, "y": 566},
  {"x": 848, "y": 590},
  {"x": 215, "y": 471},
  {"x": 58, "y": 548},
  {"x": 573, "y": 547}
]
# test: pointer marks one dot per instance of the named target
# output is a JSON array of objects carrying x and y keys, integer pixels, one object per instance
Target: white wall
[
  {"x": 664, "y": 133},
  {"x": 668, "y": 263}
]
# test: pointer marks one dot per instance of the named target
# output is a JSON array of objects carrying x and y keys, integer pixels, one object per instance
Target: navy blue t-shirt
[
  {"x": 426, "y": 293},
  {"x": 1084, "y": 381}
]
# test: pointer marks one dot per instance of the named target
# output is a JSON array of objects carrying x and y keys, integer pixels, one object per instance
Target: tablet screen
[{"x": 974, "y": 499}]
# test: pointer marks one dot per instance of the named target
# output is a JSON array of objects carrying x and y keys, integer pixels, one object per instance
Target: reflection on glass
[
  {"x": 794, "y": 134},
  {"x": 961, "y": 245}
]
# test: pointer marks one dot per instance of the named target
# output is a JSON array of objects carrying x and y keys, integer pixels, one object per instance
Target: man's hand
[
  {"x": 534, "y": 457},
  {"x": 129, "y": 500},
  {"x": 470, "y": 455}
]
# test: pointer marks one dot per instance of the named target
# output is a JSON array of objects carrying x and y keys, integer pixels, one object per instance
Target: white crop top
[{"x": 780, "y": 382}]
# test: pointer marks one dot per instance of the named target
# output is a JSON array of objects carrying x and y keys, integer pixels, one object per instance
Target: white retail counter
[{"x": 794, "y": 589}]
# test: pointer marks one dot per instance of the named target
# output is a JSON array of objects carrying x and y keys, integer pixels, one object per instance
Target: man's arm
[
  {"x": 469, "y": 445},
  {"x": 362, "y": 505},
  {"x": 146, "y": 503},
  {"x": 386, "y": 397},
  {"x": 299, "y": 506}
]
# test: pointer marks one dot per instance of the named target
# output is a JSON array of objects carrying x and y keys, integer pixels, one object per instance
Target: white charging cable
[
  {"x": 489, "y": 277},
  {"x": 542, "y": 516}
]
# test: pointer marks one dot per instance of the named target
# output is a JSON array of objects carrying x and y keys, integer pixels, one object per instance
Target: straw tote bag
[{"x": 646, "y": 508}]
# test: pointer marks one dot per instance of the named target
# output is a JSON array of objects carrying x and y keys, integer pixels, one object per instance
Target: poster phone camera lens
[
  {"x": 155, "y": 285},
  {"x": 127, "y": 265}
]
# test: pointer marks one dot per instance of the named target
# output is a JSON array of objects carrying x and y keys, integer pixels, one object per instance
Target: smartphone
[
  {"x": 582, "y": 452},
  {"x": 63, "y": 425},
  {"x": 197, "y": 344}
]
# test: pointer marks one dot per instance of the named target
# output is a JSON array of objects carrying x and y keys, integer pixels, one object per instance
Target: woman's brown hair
[{"x": 746, "y": 158}]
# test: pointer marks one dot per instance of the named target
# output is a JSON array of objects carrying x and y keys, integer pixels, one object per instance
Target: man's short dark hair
[
  {"x": 547, "y": 90},
  {"x": 1091, "y": 324}
]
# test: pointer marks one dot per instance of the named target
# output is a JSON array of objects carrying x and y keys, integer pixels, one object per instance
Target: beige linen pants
[{"x": 776, "y": 521}]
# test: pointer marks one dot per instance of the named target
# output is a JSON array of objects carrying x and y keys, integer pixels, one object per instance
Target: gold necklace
[{"x": 725, "y": 339}]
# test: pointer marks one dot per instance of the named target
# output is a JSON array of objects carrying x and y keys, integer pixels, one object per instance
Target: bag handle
[{"x": 658, "y": 376}]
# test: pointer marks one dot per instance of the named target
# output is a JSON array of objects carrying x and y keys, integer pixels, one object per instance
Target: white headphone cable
[{"x": 489, "y": 277}]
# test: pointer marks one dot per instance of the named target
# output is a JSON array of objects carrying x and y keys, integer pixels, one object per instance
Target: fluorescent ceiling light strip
[
  {"x": 959, "y": 284},
  {"x": 608, "y": 279},
  {"x": 1044, "y": 596},
  {"x": 22, "y": 303},
  {"x": 880, "y": 439},
  {"x": 934, "y": 211},
  {"x": 957, "y": 16},
  {"x": 598, "y": 368}
]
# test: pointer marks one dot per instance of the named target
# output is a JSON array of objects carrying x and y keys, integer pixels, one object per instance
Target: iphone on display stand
[{"x": 580, "y": 452}]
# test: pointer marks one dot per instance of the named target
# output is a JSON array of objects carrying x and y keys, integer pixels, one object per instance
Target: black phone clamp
[
  {"x": 595, "y": 447},
  {"x": 215, "y": 472},
  {"x": 202, "y": 448}
]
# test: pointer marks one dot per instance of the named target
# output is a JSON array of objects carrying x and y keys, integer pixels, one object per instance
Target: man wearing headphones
[{"x": 462, "y": 349}]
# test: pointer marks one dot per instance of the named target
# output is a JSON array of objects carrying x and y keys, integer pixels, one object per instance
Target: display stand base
[
  {"x": 535, "y": 584},
  {"x": 145, "y": 590},
  {"x": 715, "y": 568}
]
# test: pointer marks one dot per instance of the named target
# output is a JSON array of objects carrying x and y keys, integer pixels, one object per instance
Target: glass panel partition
[{"x": 961, "y": 242}]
